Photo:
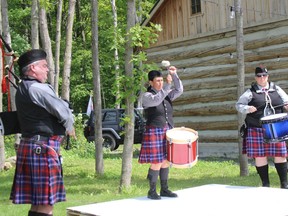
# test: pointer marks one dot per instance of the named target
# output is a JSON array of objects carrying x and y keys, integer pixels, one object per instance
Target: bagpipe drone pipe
[{"x": 8, "y": 52}]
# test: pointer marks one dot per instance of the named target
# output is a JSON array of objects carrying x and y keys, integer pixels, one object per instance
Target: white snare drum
[{"x": 182, "y": 147}]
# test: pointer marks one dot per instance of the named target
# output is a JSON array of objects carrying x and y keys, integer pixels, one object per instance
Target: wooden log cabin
[{"x": 199, "y": 38}]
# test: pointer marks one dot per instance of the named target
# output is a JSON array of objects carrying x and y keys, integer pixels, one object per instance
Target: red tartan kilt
[
  {"x": 38, "y": 178},
  {"x": 153, "y": 146},
  {"x": 256, "y": 147}
]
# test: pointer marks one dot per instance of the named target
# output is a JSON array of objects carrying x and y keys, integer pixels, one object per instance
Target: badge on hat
[{"x": 261, "y": 71}]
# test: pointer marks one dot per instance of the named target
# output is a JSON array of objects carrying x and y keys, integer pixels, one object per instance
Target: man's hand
[
  {"x": 252, "y": 109},
  {"x": 172, "y": 70},
  {"x": 72, "y": 133}
]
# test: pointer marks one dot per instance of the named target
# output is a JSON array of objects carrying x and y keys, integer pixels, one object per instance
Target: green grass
[{"x": 84, "y": 187}]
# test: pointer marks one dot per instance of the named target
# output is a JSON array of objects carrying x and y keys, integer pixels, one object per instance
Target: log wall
[
  {"x": 179, "y": 23},
  {"x": 209, "y": 75}
]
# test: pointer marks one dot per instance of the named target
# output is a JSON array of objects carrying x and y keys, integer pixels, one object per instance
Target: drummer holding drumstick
[
  {"x": 157, "y": 104},
  {"x": 253, "y": 103}
]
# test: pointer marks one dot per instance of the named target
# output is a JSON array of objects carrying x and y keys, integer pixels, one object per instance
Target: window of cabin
[{"x": 195, "y": 6}]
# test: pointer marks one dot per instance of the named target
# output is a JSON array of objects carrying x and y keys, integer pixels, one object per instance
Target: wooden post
[{"x": 241, "y": 80}]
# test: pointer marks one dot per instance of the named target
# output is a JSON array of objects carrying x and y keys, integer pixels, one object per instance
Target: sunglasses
[{"x": 264, "y": 75}]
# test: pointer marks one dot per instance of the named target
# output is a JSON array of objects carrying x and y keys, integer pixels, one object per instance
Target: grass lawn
[{"x": 84, "y": 187}]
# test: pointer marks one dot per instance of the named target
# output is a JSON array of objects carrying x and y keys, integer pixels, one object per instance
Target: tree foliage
[{"x": 81, "y": 83}]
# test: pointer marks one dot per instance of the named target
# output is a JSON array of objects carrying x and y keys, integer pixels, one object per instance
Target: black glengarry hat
[
  {"x": 30, "y": 57},
  {"x": 261, "y": 71}
]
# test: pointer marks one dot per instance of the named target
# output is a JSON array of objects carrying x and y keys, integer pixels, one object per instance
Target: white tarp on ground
[{"x": 206, "y": 200}]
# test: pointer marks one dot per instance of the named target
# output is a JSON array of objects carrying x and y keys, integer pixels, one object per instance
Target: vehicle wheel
[
  {"x": 109, "y": 141},
  {"x": 116, "y": 147}
]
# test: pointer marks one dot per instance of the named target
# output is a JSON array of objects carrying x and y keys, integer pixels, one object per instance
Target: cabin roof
[{"x": 152, "y": 12}]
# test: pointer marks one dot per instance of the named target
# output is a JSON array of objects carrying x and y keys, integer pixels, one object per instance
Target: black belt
[
  {"x": 39, "y": 149},
  {"x": 36, "y": 138}
]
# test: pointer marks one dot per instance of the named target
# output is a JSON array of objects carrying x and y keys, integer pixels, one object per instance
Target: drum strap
[{"x": 269, "y": 109}]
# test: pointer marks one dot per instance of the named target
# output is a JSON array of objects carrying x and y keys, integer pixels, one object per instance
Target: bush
[{"x": 80, "y": 146}]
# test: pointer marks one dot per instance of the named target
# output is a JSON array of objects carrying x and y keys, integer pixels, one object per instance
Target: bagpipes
[{"x": 8, "y": 77}]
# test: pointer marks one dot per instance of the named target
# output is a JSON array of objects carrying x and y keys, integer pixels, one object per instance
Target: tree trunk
[
  {"x": 241, "y": 81},
  {"x": 46, "y": 44},
  {"x": 2, "y": 146},
  {"x": 57, "y": 46},
  {"x": 81, "y": 23},
  {"x": 116, "y": 56},
  {"x": 35, "y": 24},
  {"x": 139, "y": 99},
  {"x": 99, "y": 165},
  {"x": 68, "y": 52},
  {"x": 129, "y": 101}
]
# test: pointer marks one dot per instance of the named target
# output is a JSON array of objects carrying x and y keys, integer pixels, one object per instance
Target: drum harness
[{"x": 269, "y": 109}]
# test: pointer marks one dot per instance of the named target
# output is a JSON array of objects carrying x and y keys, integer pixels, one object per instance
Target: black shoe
[
  {"x": 284, "y": 186},
  {"x": 167, "y": 193},
  {"x": 153, "y": 195}
]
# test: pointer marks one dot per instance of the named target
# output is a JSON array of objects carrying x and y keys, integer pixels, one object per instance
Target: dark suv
[{"x": 113, "y": 128}]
